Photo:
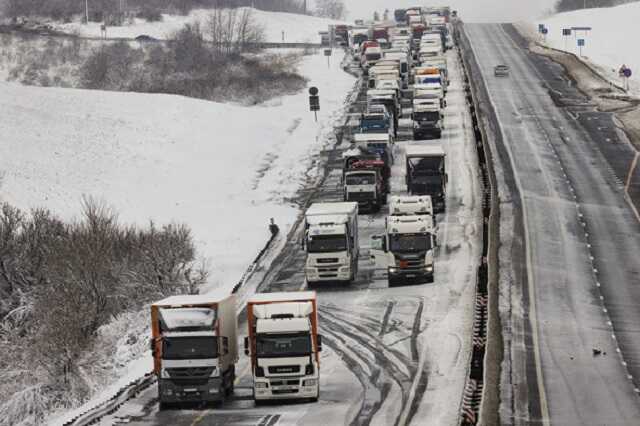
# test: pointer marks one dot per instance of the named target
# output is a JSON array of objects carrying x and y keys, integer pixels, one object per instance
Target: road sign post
[
  {"x": 327, "y": 53},
  {"x": 566, "y": 33},
  {"x": 314, "y": 101},
  {"x": 625, "y": 73},
  {"x": 580, "y": 45}
]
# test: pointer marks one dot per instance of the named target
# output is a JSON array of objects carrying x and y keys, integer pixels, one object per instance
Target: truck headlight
[
  {"x": 214, "y": 372},
  {"x": 261, "y": 385},
  {"x": 310, "y": 382},
  {"x": 344, "y": 269},
  {"x": 164, "y": 374},
  {"x": 393, "y": 270},
  {"x": 428, "y": 268},
  {"x": 310, "y": 271}
]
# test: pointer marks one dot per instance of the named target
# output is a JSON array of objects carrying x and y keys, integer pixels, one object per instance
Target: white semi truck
[
  {"x": 331, "y": 242},
  {"x": 406, "y": 250},
  {"x": 284, "y": 345},
  {"x": 194, "y": 347}
]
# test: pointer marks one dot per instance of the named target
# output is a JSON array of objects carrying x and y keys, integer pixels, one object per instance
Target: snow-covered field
[
  {"x": 297, "y": 28},
  {"x": 611, "y": 43},
  {"x": 222, "y": 169}
]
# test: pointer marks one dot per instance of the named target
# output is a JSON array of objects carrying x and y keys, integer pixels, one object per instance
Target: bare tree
[{"x": 334, "y": 9}]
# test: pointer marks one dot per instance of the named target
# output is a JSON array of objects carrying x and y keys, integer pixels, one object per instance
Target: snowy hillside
[
  {"x": 611, "y": 43},
  {"x": 223, "y": 170},
  {"x": 297, "y": 28}
]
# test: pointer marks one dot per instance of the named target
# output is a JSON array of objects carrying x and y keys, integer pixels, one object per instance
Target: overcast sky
[{"x": 469, "y": 10}]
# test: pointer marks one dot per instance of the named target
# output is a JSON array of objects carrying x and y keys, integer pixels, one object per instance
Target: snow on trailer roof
[
  {"x": 289, "y": 296},
  {"x": 424, "y": 150},
  {"x": 371, "y": 137},
  {"x": 328, "y": 219},
  {"x": 340, "y": 208},
  {"x": 211, "y": 298}
]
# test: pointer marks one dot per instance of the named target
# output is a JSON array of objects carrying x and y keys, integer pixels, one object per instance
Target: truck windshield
[
  {"x": 373, "y": 56},
  {"x": 360, "y": 179},
  {"x": 326, "y": 243},
  {"x": 189, "y": 347},
  {"x": 280, "y": 345},
  {"x": 426, "y": 116},
  {"x": 373, "y": 118},
  {"x": 409, "y": 242},
  {"x": 427, "y": 165}
]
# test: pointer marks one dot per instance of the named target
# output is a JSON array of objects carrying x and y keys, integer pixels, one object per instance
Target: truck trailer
[
  {"x": 426, "y": 173},
  {"x": 284, "y": 345},
  {"x": 194, "y": 347}
]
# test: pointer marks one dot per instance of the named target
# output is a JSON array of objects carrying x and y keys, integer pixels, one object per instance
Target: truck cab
[
  {"x": 194, "y": 347},
  {"x": 331, "y": 242},
  {"x": 284, "y": 346},
  {"x": 365, "y": 182},
  {"x": 406, "y": 250},
  {"x": 426, "y": 173},
  {"x": 371, "y": 56},
  {"x": 377, "y": 120},
  {"x": 427, "y": 122}
]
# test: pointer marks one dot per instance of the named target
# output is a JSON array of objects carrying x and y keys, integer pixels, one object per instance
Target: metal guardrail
[
  {"x": 124, "y": 394},
  {"x": 486, "y": 316}
]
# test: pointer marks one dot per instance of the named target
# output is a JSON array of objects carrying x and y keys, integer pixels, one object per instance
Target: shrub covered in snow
[{"x": 65, "y": 293}]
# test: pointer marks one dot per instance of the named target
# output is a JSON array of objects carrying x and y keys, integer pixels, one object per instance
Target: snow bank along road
[
  {"x": 393, "y": 356},
  {"x": 569, "y": 258}
]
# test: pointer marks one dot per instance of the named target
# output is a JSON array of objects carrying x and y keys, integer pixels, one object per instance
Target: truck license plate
[
  {"x": 190, "y": 390},
  {"x": 410, "y": 276}
]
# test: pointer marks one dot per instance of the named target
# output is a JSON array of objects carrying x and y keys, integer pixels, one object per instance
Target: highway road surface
[
  {"x": 569, "y": 261},
  {"x": 391, "y": 356}
]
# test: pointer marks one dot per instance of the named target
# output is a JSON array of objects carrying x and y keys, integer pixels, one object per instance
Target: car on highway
[{"x": 501, "y": 71}]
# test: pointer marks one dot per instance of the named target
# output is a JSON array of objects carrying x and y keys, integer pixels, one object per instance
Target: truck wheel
[{"x": 392, "y": 282}]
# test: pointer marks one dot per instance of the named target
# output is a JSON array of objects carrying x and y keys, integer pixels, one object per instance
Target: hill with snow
[
  {"x": 297, "y": 28},
  {"x": 223, "y": 170},
  {"x": 611, "y": 42}
]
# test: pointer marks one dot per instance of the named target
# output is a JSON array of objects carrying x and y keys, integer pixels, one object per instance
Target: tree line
[{"x": 65, "y": 9}]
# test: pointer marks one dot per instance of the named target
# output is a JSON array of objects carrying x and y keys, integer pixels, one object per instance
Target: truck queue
[{"x": 404, "y": 68}]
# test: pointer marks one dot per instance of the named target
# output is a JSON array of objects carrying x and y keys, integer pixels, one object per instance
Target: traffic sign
[
  {"x": 540, "y": 27},
  {"x": 566, "y": 31},
  {"x": 581, "y": 28},
  {"x": 545, "y": 31},
  {"x": 327, "y": 52},
  {"x": 313, "y": 91},
  {"x": 581, "y": 42},
  {"x": 627, "y": 72}
]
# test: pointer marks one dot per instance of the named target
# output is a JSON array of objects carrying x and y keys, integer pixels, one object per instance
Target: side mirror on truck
[
  {"x": 225, "y": 346},
  {"x": 246, "y": 345},
  {"x": 152, "y": 346},
  {"x": 319, "y": 340},
  {"x": 378, "y": 242}
]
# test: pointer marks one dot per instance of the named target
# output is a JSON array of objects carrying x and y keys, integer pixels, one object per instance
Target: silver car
[{"x": 501, "y": 71}]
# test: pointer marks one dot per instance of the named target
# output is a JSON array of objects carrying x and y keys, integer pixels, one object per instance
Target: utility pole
[{"x": 86, "y": 10}]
